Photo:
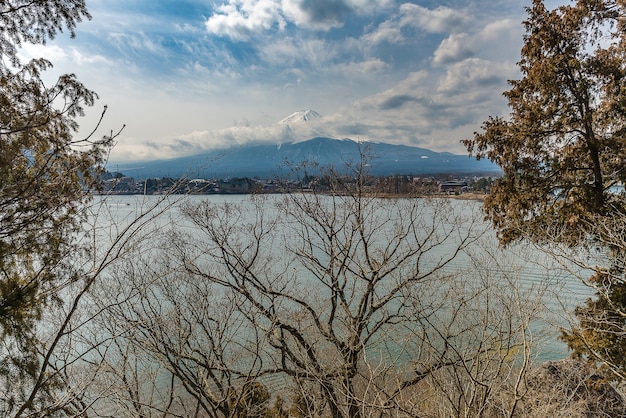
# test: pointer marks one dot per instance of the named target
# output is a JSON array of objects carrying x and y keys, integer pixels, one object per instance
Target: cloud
[
  {"x": 494, "y": 40},
  {"x": 197, "y": 142},
  {"x": 309, "y": 53},
  {"x": 62, "y": 57},
  {"x": 400, "y": 71},
  {"x": 355, "y": 69},
  {"x": 399, "y": 27},
  {"x": 132, "y": 45},
  {"x": 318, "y": 14},
  {"x": 452, "y": 49},
  {"x": 500, "y": 40},
  {"x": 429, "y": 108},
  {"x": 270, "y": 133},
  {"x": 387, "y": 32},
  {"x": 439, "y": 20},
  {"x": 82, "y": 59},
  {"x": 396, "y": 96},
  {"x": 395, "y": 102},
  {"x": 328, "y": 14},
  {"x": 475, "y": 74},
  {"x": 501, "y": 29},
  {"x": 53, "y": 53},
  {"x": 239, "y": 19}
]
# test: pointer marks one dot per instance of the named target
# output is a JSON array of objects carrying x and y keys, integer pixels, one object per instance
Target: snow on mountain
[{"x": 300, "y": 116}]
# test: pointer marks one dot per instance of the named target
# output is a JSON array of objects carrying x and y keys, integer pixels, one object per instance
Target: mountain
[
  {"x": 270, "y": 161},
  {"x": 300, "y": 116}
]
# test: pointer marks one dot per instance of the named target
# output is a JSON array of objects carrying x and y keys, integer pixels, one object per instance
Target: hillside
[{"x": 270, "y": 161}]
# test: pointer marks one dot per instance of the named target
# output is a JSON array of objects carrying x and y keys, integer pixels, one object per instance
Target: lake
[{"x": 532, "y": 269}]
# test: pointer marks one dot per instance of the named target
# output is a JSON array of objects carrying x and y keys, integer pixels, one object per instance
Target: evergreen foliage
[
  {"x": 45, "y": 178},
  {"x": 562, "y": 151}
]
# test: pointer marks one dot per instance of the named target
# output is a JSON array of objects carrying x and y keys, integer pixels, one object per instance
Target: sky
[{"x": 187, "y": 76}]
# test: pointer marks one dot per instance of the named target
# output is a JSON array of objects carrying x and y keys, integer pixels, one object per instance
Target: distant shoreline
[{"x": 462, "y": 196}]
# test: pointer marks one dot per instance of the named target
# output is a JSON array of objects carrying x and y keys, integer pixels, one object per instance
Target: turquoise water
[{"x": 520, "y": 268}]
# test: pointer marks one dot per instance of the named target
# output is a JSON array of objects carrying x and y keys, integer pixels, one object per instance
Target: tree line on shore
[{"x": 409, "y": 185}]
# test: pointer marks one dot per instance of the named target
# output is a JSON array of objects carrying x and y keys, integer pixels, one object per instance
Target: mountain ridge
[{"x": 273, "y": 160}]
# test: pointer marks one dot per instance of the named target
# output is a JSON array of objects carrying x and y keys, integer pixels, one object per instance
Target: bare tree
[
  {"x": 178, "y": 346},
  {"x": 482, "y": 339},
  {"x": 350, "y": 306},
  {"x": 66, "y": 359},
  {"x": 598, "y": 262}
]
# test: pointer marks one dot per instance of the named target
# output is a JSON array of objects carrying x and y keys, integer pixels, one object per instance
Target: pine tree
[
  {"x": 563, "y": 149},
  {"x": 46, "y": 175}
]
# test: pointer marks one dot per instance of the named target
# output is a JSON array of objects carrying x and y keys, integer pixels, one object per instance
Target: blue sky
[{"x": 192, "y": 75}]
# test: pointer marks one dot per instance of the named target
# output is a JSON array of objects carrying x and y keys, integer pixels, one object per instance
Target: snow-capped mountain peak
[{"x": 300, "y": 116}]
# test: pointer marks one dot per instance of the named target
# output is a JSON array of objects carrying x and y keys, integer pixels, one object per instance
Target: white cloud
[
  {"x": 505, "y": 29},
  {"x": 388, "y": 32},
  {"x": 500, "y": 40},
  {"x": 403, "y": 89},
  {"x": 372, "y": 66},
  {"x": 288, "y": 51},
  {"x": 370, "y": 6},
  {"x": 454, "y": 48},
  {"x": 436, "y": 21},
  {"x": 493, "y": 41},
  {"x": 410, "y": 74},
  {"x": 439, "y": 20},
  {"x": 82, "y": 59},
  {"x": 131, "y": 44},
  {"x": 474, "y": 75},
  {"x": 52, "y": 53},
  {"x": 134, "y": 149},
  {"x": 428, "y": 108},
  {"x": 63, "y": 59},
  {"x": 239, "y": 19}
]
